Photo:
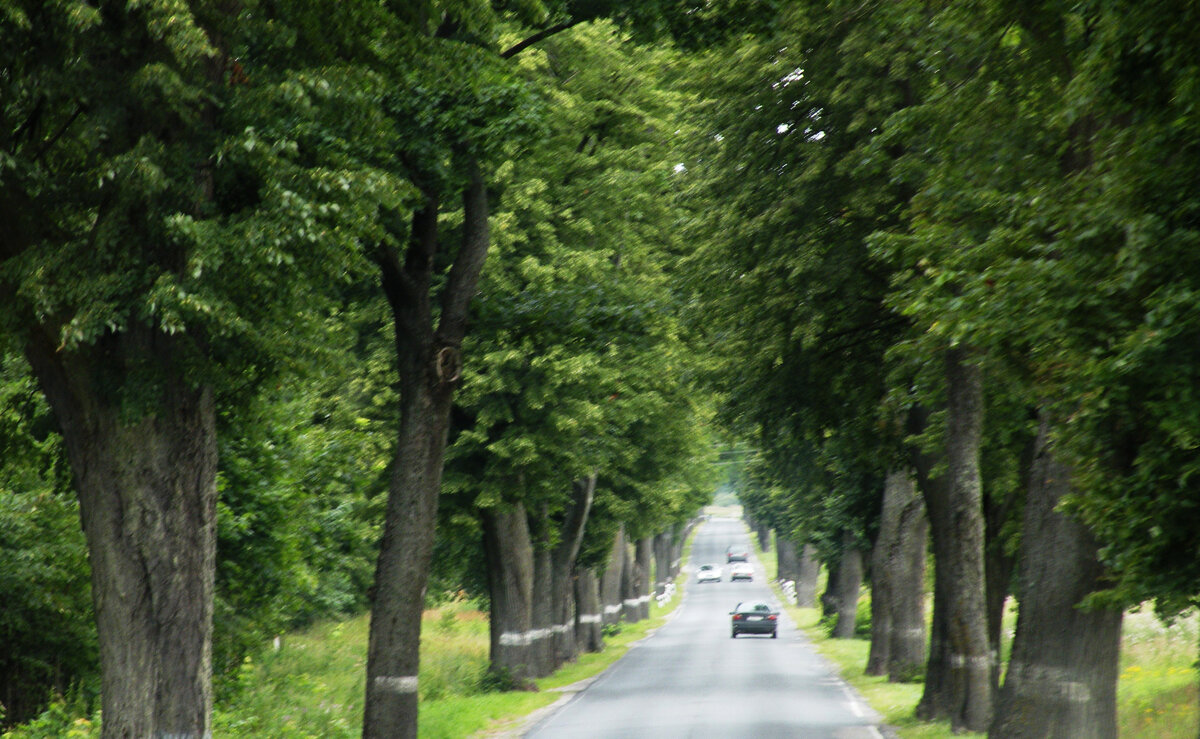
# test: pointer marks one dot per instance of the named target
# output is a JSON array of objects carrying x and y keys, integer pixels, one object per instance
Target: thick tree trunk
[
  {"x": 898, "y": 575},
  {"x": 589, "y": 614},
  {"x": 612, "y": 580},
  {"x": 955, "y": 507},
  {"x": 429, "y": 364},
  {"x": 849, "y": 583},
  {"x": 1062, "y": 678},
  {"x": 906, "y": 654},
  {"x": 787, "y": 561},
  {"x": 510, "y": 564},
  {"x": 147, "y": 502},
  {"x": 806, "y": 577}
]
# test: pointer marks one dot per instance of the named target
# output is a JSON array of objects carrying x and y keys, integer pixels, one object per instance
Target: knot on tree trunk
[{"x": 447, "y": 365}]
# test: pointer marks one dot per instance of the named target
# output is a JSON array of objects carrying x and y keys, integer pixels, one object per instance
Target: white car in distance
[
  {"x": 708, "y": 573},
  {"x": 741, "y": 571}
]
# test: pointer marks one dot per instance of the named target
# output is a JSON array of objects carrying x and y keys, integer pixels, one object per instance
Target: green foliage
[
  {"x": 575, "y": 364},
  {"x": 49, "y": 638}
]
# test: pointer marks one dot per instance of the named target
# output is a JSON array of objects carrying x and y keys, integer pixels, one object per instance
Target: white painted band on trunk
[
  {"x": 1048, "y": 681},
  {"x": 407, "y": 684},
  {"x": 977, "y": 663},
  {"x": 610, "y": 610},
  {"x": 590, "y": 618},
  {"x": 637, "y": 601},
  {"x": 525, "y": 638}
]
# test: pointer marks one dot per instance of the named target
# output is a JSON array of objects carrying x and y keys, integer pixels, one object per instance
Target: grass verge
[{"x": 312, "y": 686}]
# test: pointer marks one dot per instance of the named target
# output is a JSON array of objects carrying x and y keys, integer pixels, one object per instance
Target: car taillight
[
  {"x": 770, "y": 618},
  {"x": 737, "y": 617}
]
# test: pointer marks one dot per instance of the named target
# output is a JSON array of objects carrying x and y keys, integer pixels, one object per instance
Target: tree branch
[
  {"x": 541, "y": 35},
  {"x": 464, "y": 274}
]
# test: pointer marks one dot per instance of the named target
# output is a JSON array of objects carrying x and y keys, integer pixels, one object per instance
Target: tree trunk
[
  {"x": 1062, "y": 678},
  {"x": 898, "y": 574},
  {"x": 429, "y": 363},
  {"x": 906, "y": 653},
  {"x": 589, "y": 633},
  {"x": 643, "y": 577},
  {"x": 508, "y": 551},
  {"x": 787, "y": 563},
  {"x": 612, "y": 580},
  {"x": 677, "y": 541},
  {"x": 764, "y": 537},
  {"x": 955, "y": 507},
  {"x": 562, "y": 584},
  {"x": 849, "y": 583},
  {"x": 147, "y": 502},
  {"x": 830, "y": 603},
  {"x": 541, "y": 642},
  {"x": 882, "y": 590},
  {"x": 662, "y": 561},
  {"x": 806, "y": 577}
]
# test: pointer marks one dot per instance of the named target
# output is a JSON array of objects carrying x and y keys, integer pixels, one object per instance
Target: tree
[{"x": 151, "y": 207}]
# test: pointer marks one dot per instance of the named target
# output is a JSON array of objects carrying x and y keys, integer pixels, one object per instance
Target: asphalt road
[{"x": 690, "y": 679}]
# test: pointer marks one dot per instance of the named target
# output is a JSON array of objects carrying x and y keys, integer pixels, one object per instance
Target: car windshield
[
  {"x": 753, "y": 608},
  {"x": 706, "y": 567}
]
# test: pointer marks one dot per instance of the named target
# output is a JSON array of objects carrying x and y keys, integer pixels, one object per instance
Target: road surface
[{"x": 690, "y": 679}]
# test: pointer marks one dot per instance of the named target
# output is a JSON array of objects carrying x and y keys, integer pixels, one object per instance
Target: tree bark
[
  {"x": 849, "y": 583},
  {"x": 612, "y": 580},
  {"x": 906, "y": 653},
  {"x": 806, "y": 577},
  {"x": 898, "y": 574},
  {"x": 508, "y": 552},
  {"x": 643, "y": 587},
  {"x": 1062, "y": 678},
  {"x": 562, "y": 559},
  {"x": 830, "y": 603},
  {"x": 955, "y": 507},
  {"x": 541, "y": 646},
  {"x": 787, "y": 562},
  {"x": 589, "y": 614},
  {"x": 429, "y": 364},
  {"x": 882, "y": 577},
  {"x": 763, "y": 532},
  {"x": 662, "y": 561},
  {"x": 147, "y": 502},
  {"x": 677, "y": 540}
]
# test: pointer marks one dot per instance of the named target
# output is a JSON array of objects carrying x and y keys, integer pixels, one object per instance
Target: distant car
[
  {"x": 754, "y": 618},
  {"x": 736, "y": 554},
  {"x": 741, "y": 571},
  {"x": 708, "y": 573}
]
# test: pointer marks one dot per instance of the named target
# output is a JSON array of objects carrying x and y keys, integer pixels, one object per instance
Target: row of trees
[
  {"x": 959, "y": 240},
  {"x": 241, "y": 242}
]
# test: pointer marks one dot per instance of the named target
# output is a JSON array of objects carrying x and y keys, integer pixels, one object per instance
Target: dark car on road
[
  {"x": 754, "y": 618},
  {"x": 736, "y": 554}
]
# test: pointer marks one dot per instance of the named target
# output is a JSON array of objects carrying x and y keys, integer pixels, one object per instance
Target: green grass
[
  {"x": 1157, "y": 691},
  {"x": 313, "y": 685}
]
